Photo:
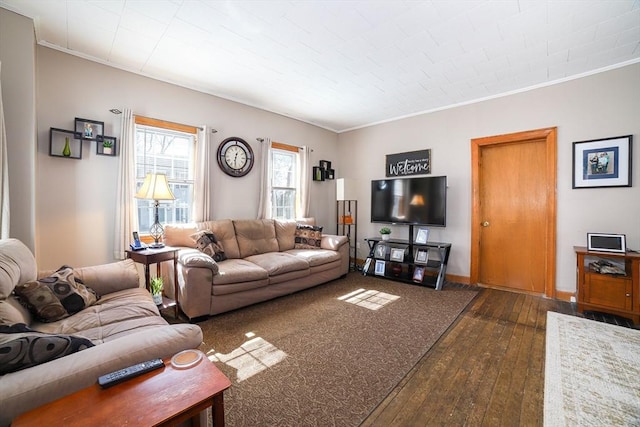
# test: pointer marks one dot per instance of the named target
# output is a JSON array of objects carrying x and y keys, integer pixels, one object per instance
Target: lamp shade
[
  {"x": 345, "y": 189},
  {"x": 155, "y": 187}
]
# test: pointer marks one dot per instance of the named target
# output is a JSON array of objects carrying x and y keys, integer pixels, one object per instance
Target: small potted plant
[
  {"x": 107, "y": 146},
  {"x": 155, "y": 287},
  {"x": 385, "y": 232}
]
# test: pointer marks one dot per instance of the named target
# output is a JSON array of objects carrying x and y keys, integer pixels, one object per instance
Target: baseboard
[{"x": 565, "y": 296}]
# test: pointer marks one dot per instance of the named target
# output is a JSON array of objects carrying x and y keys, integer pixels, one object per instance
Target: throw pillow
[
  {"x": 57, "y": 296},
  {"x": 22, "y": 347},
  {"x": 206, "y": 242},
  {"x": 308, "y": 237}
]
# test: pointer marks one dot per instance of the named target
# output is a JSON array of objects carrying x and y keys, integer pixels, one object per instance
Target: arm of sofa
[
  {"x": 333, "y": 242},
  {"x": 29, "y": 388},
  {"x": 195, "y": 280},
  {"x": 109, "y": 278}
]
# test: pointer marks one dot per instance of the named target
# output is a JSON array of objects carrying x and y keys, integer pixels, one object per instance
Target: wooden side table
[
  {"x": 165, "y": 397},
  {"x": 156, "y": 256}
]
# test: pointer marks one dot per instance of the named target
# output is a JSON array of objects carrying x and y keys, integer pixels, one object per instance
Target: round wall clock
[{"x": 235, "y": 157}]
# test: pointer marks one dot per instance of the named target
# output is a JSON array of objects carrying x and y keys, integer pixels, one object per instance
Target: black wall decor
[{"x": 409, "y": 163}]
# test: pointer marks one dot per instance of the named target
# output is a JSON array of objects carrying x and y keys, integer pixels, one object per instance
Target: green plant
[
  {"x": 107, "y": 143},
  {"x": 156, "y": 286},
  {"x": 385, "y": 230}
]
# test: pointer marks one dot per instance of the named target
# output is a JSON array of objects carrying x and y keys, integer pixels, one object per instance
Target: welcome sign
[{"x": 410, "y": 163}]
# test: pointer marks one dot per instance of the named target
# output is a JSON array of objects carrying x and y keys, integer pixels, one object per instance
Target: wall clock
[{"x": 235, "y": 157}]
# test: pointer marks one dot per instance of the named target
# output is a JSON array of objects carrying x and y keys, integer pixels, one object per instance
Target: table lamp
[{"x": 155, "y": 187}]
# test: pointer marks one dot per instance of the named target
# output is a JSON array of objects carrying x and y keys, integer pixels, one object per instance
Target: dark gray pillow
[{"x": 22, "y": 347}]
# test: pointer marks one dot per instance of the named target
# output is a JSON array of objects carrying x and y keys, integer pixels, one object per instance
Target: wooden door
[{"x": 514, "y": 206}]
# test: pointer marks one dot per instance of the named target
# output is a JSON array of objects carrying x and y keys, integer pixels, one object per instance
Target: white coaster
[{"x": 186, "y": 359}]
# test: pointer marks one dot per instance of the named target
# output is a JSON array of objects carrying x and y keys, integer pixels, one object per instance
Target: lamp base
[{"x": 157, "y": 245}]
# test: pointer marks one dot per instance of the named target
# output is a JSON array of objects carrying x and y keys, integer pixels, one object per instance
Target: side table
[
  {"x": 165, "y": 397},
  {"x": 156, "y": 256}
]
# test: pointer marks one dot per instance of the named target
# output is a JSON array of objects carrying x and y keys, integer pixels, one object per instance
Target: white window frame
[{"x": 285, "y": 149}]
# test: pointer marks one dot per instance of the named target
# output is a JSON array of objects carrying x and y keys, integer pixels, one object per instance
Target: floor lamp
[{"x": 155, "y": 187}]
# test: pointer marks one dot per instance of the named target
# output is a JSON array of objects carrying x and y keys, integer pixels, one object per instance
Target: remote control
[{"x": 117, "y": 377}]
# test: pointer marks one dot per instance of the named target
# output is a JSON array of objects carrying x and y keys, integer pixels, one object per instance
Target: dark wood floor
[{"x": 486, "y": 370}]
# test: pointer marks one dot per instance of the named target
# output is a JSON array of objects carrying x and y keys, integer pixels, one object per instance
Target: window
[
  {"x": 170, "y": 149},
  {"x": 284, "y": 181}
]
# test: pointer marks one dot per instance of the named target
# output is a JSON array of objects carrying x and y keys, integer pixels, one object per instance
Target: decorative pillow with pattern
[
  {"x": 308, "y": 237},
  {"x": 22, "y": 347},
  {"x": 206, "y": 242},
  {"x": 57, "y": 296}
]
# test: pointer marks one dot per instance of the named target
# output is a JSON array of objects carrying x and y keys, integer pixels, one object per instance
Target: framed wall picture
[
  {"x": 602, "y": 162},
  {"x": 380, "y": 267},
  {"x": 397, "y": 254},
  {"x": 89, "y": 129},
  {"x": 422, "y": 236},
  {"x": 418, "y": 274},
  {"x": 381, "y": 251},
  {"x": 422, "y": 256}
]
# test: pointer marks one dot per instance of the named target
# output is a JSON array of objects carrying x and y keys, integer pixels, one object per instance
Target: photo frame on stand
[
  {"x": 422, "y": 236},
  {"x": 380, "y": 267},
  {"x": 418, "y": 274},
  {"x": 397, "y": 254},
  {"x": 422, "y": 256}
]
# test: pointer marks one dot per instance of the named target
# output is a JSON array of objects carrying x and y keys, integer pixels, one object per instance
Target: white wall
[
  {"x": 75, "y": 209},
  {"x": 598, "y": 106}
]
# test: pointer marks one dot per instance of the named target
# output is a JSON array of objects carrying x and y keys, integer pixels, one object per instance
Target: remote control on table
[{"x": 117, "y": 377}]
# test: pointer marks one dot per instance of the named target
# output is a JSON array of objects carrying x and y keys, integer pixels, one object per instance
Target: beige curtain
[
  {"x": 264, "y": 204},
  {"x": 202, "y": 186},
  {"x": 4, "y": 175},
  {"x": 304, "y": 183},
  {"x": 126, "y": 214}
]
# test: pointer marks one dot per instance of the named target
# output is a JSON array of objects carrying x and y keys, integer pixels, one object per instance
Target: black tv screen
[{"x": 419, "y": 201}]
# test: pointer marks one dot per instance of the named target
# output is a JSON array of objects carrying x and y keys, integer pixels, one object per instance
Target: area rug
[
  {"x": 592, "y": 373},
  {"x": 326, "y": 356}
]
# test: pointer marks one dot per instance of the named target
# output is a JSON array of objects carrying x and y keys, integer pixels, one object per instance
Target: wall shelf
[{"x": 65, "y": 143}]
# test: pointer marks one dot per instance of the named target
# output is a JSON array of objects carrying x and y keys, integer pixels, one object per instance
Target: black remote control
[{"x": 117, "y": 377}]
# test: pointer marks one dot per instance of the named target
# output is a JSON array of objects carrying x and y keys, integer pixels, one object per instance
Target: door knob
[{"x": 485, "y": 224}]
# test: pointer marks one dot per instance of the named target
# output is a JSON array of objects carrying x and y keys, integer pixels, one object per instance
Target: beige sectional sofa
[
  {"x": 124, "y": 324},
  {"x": 263, "y": 261}
]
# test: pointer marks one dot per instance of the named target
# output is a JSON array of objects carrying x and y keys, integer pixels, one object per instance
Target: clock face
[{"x": 235, "y": 157}]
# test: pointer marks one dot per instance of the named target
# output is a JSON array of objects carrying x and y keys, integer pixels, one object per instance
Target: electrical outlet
[{"x": 573, "y": 299}]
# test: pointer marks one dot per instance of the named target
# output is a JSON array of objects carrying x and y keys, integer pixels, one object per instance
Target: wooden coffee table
[{"x": 166, "y": 397}]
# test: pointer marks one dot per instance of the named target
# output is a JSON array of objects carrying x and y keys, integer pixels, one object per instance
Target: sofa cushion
[
  {"x": 225, "y": 233},
  {"x": 17, "y": 265},
  {"x": 238, "y": 271},
  {"x": 276, "y": 263},
  {"x": 207, "y": 243},
  {"x": 56, "y": 296},
  {"x": 22, "y": 347},
  {"x": 316, "y": 257},
  {"x": 308, "y": 237},
  {"x": 11, "y": 311},
  {"x": 256, "y": 236},
  {"x": 179, "y": 235}
]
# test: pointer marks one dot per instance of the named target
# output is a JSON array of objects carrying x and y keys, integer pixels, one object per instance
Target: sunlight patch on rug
[
  {"x": 252, "y": 357},
  {"x": 373, "y": 300}
]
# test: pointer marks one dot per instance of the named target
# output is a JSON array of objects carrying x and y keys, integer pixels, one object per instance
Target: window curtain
[
  {"x": 304, "y": 184},
  {"x": 264, "y": 205},
  {"x": 126, "y": 214},
  {"x": 202, "y": 186},
  {"x": 4, "y": 175}
]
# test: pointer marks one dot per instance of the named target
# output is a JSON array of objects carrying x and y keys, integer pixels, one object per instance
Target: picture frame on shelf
[
  {"x": 418, "y": 274},
  {"x": 318, "y": 173},
  {"x": 324, "y": 164},
  {"x": 422, "y": 236},
  {"x": 381, "y": 251},
  {"x": 106, "y": 145},
  {"x": 380, "y": 266},
  {"x": 89, "y": 130},
  {"x": 397, "y": 254},
  {"x": 422, "y": 256},
  {"x": 602, "y": 162},
  {"x": 65, "y": 143}
]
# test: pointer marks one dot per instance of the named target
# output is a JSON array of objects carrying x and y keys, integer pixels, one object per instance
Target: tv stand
[{"x": 405, "y": 261}]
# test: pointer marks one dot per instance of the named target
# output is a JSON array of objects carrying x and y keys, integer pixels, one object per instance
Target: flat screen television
[{"x": 418, "y": 201}]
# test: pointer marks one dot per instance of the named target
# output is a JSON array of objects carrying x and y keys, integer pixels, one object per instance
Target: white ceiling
[{"x": 345, "y": 64}]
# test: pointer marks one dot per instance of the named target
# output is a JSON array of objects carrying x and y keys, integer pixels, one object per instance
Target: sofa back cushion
[
  {"x": 180, "y": 235},
  {"x": 12, "y": 312},
  {"x": 256, "y": 236},
  {"x": 225, "y": 233},
  {"x": 286, "y": 231},
  {"x": 17, "y": 265}
]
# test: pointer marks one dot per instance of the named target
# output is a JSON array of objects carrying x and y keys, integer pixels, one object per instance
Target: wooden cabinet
[{"x": 609, "y": 282}]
